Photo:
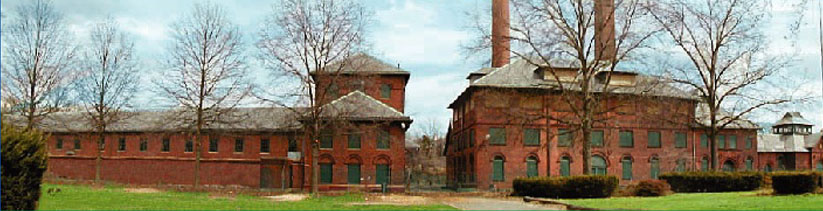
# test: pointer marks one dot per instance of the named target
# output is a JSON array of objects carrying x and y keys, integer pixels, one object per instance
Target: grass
[
  {"x": 708, "y": 201},
  {"x": 79, "y": 197}
]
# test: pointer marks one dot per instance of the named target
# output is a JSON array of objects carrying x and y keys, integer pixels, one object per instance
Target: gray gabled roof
[
  {"x": 273, "y": 119},
  {"x": 703, "y": 118},
  {"x": 814, "y": 139},
  {"x": 781, "y": 143},
  {"x": 362, "y": 63},
  {"x": 522, "y": 74},
  {"x": 793, "y": 118},
  {"x": 359, "y": 106}
]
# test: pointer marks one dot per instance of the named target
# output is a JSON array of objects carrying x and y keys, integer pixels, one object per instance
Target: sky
[{"x": 423, "y": 36}]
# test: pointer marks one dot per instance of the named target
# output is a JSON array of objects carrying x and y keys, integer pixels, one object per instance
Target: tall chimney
[
  {"x": 500, "y": 33},
  {"x": 604, "y": 30}
]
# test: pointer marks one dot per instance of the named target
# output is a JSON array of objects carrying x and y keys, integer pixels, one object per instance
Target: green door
[
  {"x": 354, "y": 174},
  {"x": 497, "y": 168},
  {"x": 655, "y": 168},
  {"x": 564, "y": 166},
  {"x": 325, "y": 173},
  {"x": 382, "y": 174},
  {"x": 627, "y": 168},
  {"x": 531, "y": 167}
]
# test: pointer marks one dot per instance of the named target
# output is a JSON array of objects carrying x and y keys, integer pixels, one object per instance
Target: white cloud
[{"x": 409, "y": 33}]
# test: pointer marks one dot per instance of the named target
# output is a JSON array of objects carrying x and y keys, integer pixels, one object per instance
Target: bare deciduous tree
[
  {"x": 310, "y": 42},
  {"x": 729, "y": 63},
  {"x": 37, "y": 61},
  {"x": 206, "y": 75},
  {"x": 574, "y": 43},
  {"x": 106, "y": 90}
]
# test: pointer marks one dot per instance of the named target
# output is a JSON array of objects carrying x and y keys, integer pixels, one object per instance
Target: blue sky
[{"x": 423, "y": 36}]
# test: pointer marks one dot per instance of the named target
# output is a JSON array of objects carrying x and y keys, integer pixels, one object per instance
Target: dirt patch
[
  {"x": 288, "y": 197},
  {"x": 395, "y": 199},
  {"x": 142, "y": 190}
]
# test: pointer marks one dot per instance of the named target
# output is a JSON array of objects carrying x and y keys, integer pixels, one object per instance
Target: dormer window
[
  {"x": 561, "y": 74},
  {"x": 618, "y": 78}
]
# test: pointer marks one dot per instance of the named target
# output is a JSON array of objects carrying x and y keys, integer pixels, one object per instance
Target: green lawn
[
  {"x": 78, "y": 197},
  {"x": 707, "y": 201}
]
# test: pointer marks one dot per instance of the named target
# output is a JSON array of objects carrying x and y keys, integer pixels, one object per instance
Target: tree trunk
[
  {"x": 197, "y": 150},
  {"x": 98, "y": 162}
]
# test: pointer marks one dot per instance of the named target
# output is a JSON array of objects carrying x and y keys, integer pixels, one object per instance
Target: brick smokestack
[
  {"x": 604, "y": 30},
  {"x": 500, "y": 33}
]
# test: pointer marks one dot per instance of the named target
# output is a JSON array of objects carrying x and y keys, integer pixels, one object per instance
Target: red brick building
[
  {"x": 509, "y": 121},
  {"x": 791, "y": 145},
  {"x": 499, "y": 131},
  {"x": 254, "y": 147}
]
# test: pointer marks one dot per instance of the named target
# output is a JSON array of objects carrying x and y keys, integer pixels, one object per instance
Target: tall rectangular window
[
  {"x": 497, "y": 136},
  {"x": 564, "y": 137},
  {"x": 144, "y": 145},
  {"x": 59, "y": 144},
  {"x": 383, "y": 139},
  {"x": 213, "y": 144},
  {"x": 325, "y": 173},
  {"x": 385, "y": 91},
  {"x": 77, "y": 144},
  {"x": 654, "y": 139},
  {"x": 704, "y": 141},
  {"x": 326, "y": 139},
  {"x": 748, "y": 142},
  {"x": 382, "y": 174},
  {"x": 597, "y": 138},
  {"x": 531, "y": 137},
  {"x": 354, "y": 173},
  {"x": 680, "y": 140},
  {"x": 721, "y": 141},
  {"x": 471, "y": 138},
  {"x": 292, "y": 143},
  {"x": 121, "y": 144},
  {"x": 166, "y": 145},
  {"x": 238, "y": 145},
  {"x": 354, "y": 141},
  {"x": 265, "y": 145},
  {"x": 732, "y": 142},
  {"x": 626, "y": 139},
  {"x": 189, "y": 146}
]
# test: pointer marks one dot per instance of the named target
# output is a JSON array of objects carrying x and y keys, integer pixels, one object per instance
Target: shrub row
[
  {"x": 795, "y": 182},
  {"x": 566, "y": 187},
  {"x": 713, "y": 181},
  {"x": 649, "y": 188},
  {"x": 24, "y": 161}
]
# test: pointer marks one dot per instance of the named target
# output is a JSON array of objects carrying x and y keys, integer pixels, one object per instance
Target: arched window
[
  {"x": 681, "y": 165},
  {"x": 497, "y": 169},
  {"x": 704, "y": 164},
  {"x": 767, "y": 168},
  {"x": 655, "y": 167},
  {"x": 728, "y": 166},
  {"x": 598, "y": 165},
  {"x": 564, "y": 166},
  {"x": 749, "y": 164},
  {"x": 531, "y": 167},
  {"x": 626, "y": 162}
]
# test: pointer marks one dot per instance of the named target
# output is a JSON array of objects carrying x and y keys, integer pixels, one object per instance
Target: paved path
[{"x": 479, "y": 203}]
